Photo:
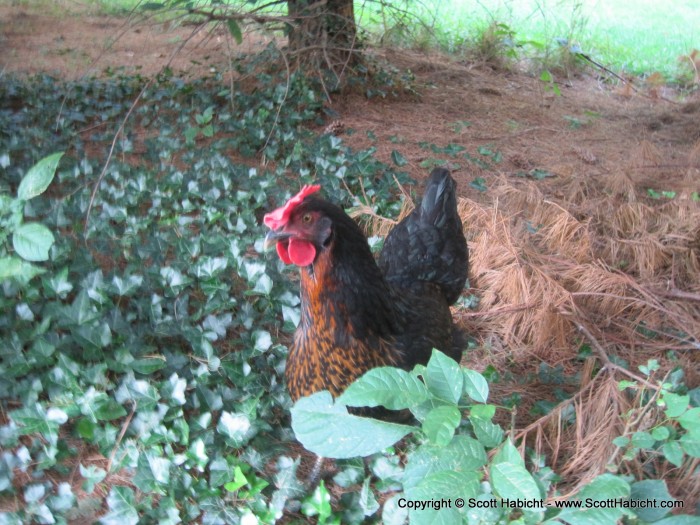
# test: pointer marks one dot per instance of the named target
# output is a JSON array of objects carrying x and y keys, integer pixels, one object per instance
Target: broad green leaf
[
  {"x": 14, "y": 267},
  {"x": 489, "y": 434},
  {"x": 440, "y": 424},
  {"x": 38, "y": 177},
  {"x": 642, "y": 440},
  {"x": 512, "y": 481},
  {"x": 508, "y": 454},
  {"x": 328, "y": 430},
  {"x": 435, "y": 489},
  {"x": 673, "y": 452},
  {"x": 485, "y": 412},
  {"x": 32, "y": 241},
  {"x": 475, "y": 386},
  {"x": 691, "y": 445},
  {"x": 398, "y": 159},
  {"x": 651, "y": 490},
  {"x": 604, "y": 487},
  {"x": 660, "y": 433},
  {"x": 390, "y": 387},
  {"x": 444, "y": 377},
  {"x": 690, "y": 420},
  {"x": 462, "y": 454},
  {"x": 676, "y": 405}
]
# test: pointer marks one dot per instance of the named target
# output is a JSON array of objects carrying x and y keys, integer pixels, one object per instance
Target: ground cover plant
[{"x": 144, "y": 333}]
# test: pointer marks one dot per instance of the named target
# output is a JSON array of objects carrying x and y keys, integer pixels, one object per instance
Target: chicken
[{"x": 357, "y": 314}]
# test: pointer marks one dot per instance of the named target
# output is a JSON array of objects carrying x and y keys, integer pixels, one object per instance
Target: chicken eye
[{"x": 306, "y": 218}]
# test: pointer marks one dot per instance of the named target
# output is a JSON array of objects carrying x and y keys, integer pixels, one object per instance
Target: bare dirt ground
[{"x": 603, "y": 144}]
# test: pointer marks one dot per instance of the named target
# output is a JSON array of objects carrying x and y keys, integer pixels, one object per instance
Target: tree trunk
[{"x": 324, "y": 33}]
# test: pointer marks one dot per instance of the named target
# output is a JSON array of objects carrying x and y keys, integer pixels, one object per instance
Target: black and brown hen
[{"x": 357, "y": 314}]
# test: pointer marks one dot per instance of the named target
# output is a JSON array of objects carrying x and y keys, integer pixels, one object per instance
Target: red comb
[{"x": 279, "y": 217}]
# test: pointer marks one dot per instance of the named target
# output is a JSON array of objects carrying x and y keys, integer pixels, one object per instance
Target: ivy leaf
[
  {"x": 368, "y": 502},
  {"x": 390, "y": 387},
  {"x": 444, "y": 377},
  {"x": 32, "y": 241},
  {"x": 325, "y": 428},
  {"x": 38, "y": 177},
  {"x": 92, "y": 476},
  {"x": 236, "y": 427},
  {"x": 122, "y": 510},
  {"x": 319, "y": 504}
]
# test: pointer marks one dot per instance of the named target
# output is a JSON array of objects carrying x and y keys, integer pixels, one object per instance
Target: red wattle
[{"x": 302, "y": 253}]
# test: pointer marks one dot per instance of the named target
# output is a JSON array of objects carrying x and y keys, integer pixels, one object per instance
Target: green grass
[{"x": 638, "y": 37}]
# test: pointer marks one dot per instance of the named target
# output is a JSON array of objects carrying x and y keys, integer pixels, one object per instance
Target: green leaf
[
  {"x": 642, "y": 440},
  {"x": 660, "y": 433},
  {"x": 14, "y": 267},
  {"x": 398, "y": 159},
  {"x": 651, "y": 490},
  {"x": 489, "y": 434},
  {"x": 107, "y": 409},
  {"x": 368, "y": 502},
  {"x": 462, "y": 454},
  {"x": 152, "y": 472},
  {"x": 38, "y": 177},
  {"x": 444, "y": 377},
  {"x": 621, "y": 441},
  {"x": 235, "y": 30},
  {"x": 440, "y": 424},
  {"x": 440, "y": 486},
  {"x": 690, "y": 420},
  {"x": 512, "y": 481},
  {"x": 485, "y": 412},
  {"x": 239, "y": 480},
  {"x": 673, "y": 452},
  {"x": 235, "y": 426},
  {"x": 121, "y": 507},
  {"x": 92, "y": 475},
  {"x": 148, "y": 365},
  {"x": 604, "y": 487},
  {"x": 676, "y": 405},
  {"x": 394, "y": 513},
  {"x": 319, "y": 504},
  {"x": 475, "y": 386},
  {"x": 691, "y": 445},
  {"x": 32, "y": 241},
  {"x": 390, "y": 387},
  {"x": 328, "y": 430}
]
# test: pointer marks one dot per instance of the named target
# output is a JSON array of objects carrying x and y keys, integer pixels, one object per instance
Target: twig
[
  {"x": 606, "y": 360},
  {"x": 125, "y": 426}
]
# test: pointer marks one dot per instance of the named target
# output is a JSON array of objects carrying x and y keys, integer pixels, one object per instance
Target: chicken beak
[{"x": 273, "y": 237}]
